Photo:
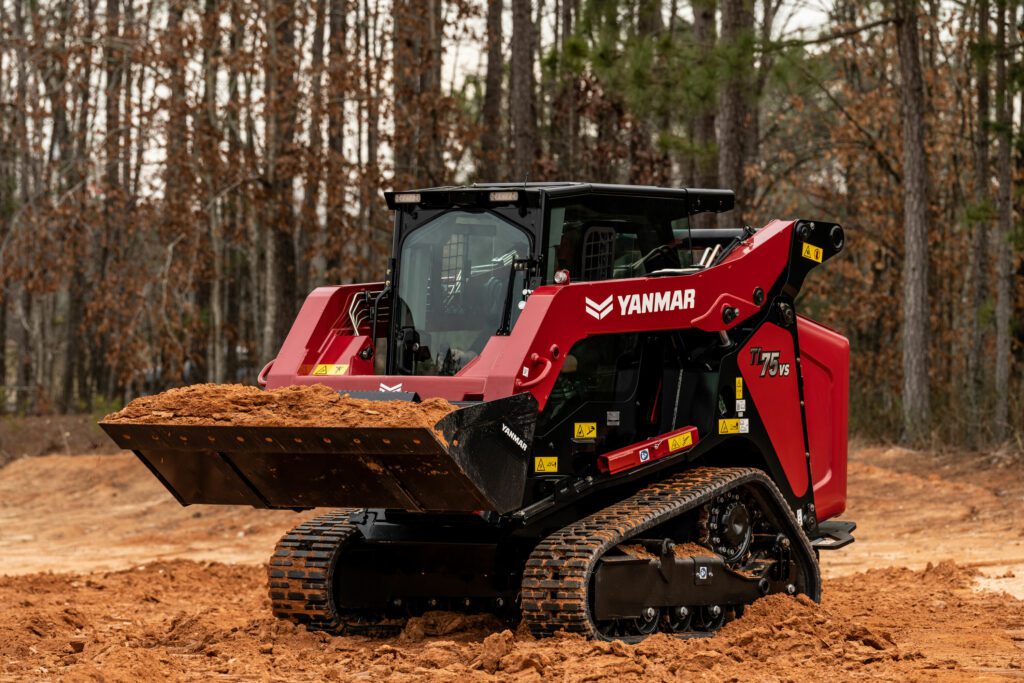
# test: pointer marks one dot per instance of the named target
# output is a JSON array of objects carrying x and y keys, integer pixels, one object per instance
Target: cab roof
[{"x": 529, "y": 194}]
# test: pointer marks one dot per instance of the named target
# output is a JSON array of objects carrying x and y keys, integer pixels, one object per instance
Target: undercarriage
[{"x": 681, "y": 556}]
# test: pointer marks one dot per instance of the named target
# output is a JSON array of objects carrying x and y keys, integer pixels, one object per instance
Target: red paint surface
[
  {"x": 629, "y": 457},
  {"x": 826, "y": 372},
  {"x": 778, "y": 401},
  {"x": 554, "y": 318}
]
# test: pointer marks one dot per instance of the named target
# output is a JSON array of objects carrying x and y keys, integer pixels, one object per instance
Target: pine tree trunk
[
  {"x": 704, "y": 34},
  {"x": 522, "y": 95},
  {"x": 337, "y": 85},
  {"x": 281, "y": 297},
  {"x": 112, "y": 57},
  {"x": 490, "y": 140},
  {"x": 737, "y": 33},
  {"x": 1002, "y": 243},
  {"x": 309, "y": 232},
  {"x": 974, "y": 289},
  {"x": 374, "y": 242},
  {"x": 916, "y": 404}
]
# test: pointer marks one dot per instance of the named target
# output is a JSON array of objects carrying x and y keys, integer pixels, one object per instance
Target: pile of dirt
[
  {"x": 169, "y": 612},
  {"x": 293, "y": 406},
  {"x": 182, "y": 619}
]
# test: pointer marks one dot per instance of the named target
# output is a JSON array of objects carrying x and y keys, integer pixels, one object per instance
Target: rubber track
[
  {"x": 301, "y": 571},
  {"x": 555, "y": 594}
]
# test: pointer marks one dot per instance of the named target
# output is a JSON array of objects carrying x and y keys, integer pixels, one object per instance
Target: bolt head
[
  {"x": 683, "y": 612},
  {"x": 714, "y": 610},
  {"x": 649, "y": 613},
  {"x": 791, "y": 589}
]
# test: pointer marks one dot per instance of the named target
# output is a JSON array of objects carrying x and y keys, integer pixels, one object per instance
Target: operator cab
[{"x": 467, "y": 257}]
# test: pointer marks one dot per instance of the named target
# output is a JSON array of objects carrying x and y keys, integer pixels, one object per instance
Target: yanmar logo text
[
  {"x": 639, "y": 304},
  {"x": 516, "y": 439}
]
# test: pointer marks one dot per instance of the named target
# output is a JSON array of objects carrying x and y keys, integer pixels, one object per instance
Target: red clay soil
[
  {"x": 199, "y": 621},
  {"x": 294, "y": 406},
  {"x": 109, "y": 579}
]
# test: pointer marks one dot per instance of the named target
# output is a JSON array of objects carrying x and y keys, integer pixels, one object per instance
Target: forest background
[{"x": 176, "y": 175}]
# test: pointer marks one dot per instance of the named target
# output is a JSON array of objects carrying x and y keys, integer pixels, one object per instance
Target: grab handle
[
  {"x": 261, "y": 379},
  {"x": 541, "y": 376}
]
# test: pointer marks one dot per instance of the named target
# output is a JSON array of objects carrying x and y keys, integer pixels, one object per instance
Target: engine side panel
[
  {"x": 826, "y": 373},
  {"x": 767, "y": 363}
]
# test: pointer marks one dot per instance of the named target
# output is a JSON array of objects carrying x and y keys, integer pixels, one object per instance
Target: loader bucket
[{"x": 468, "y": 462}]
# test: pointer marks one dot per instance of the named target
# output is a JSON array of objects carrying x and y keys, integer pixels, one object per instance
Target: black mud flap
[{"x": 475, "y": 458}]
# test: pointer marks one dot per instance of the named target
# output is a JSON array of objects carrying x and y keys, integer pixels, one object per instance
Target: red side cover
[
  {"x": 826, "y": 370},
  {"x": 769, "y": 371}
]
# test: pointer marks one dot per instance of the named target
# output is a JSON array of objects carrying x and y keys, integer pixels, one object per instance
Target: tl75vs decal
[{"x": 769, "y": 362}]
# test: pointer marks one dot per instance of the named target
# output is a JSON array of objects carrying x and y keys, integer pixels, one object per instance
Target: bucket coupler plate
[{"x": 468, "y": 462}]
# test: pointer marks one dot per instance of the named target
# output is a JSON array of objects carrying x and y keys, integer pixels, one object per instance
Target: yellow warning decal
[
  {"x": 812, "y": 252},
  {"x": 545, "y": 465},
  {"x": 680, "y": 441},
  {"x": 729, "y": 426},
  {"x": 734, "y": 425},
  {"x": 329, "y": 369},
  {"x": 739, "y": 387},
  {"x": 584, "y": 430}
]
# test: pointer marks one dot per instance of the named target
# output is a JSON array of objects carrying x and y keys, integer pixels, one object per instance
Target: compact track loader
[{"x": 648, "y": 435}]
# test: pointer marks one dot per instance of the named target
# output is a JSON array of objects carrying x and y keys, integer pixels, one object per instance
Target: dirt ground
[
  {"x": 104, "y": 577},
  {"x": 22, "y": 437}
]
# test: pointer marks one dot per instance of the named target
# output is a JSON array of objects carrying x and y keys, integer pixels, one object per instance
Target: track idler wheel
[
  {"x": 708, "y": 618},
  {"x": 677, "y": 620}
]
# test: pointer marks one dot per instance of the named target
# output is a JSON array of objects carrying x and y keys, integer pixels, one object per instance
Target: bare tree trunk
[
  {"x": 431, "y": 153},
  {"x": 916, "y": 404},
  {"x": 373, "y": 60},
  {"x": 112, "y": 57},
  {"x": 522, "y": 92},
  {"x": 281, "y": 297},
  {"x": 1002, "y": 242},
  {"x": 380, "y": 238},
  {"x": 209, "y": 143},
  {"x": 337, "y": 74},
  {"x": 406, "y": 90},
  {"x": 566, "y": 119},
  {"x": 309, "y": 229},
  {"x": 23, "y": 375},
  {"x": 490, "y": 141},
  {"x": 974, "y": 289},
  {"x": 736, "y": 41},
  {"x": 704, "y": 34},
  {"x": 417, "y": 92},
  {"x": 4, "y": 396}
]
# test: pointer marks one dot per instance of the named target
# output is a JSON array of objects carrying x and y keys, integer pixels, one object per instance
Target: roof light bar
[
  {"x": 408, "y": 198},
  {"x": 504, "y": 196}
]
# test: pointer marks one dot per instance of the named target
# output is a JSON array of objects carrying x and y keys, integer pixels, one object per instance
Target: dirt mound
[
  {"x": 197, "y": 620},
  {"x": 204, "y": 620},
  {"x": 298, "y": 406}
]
